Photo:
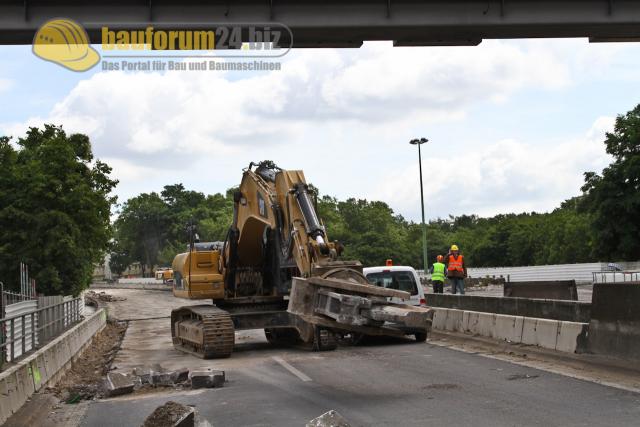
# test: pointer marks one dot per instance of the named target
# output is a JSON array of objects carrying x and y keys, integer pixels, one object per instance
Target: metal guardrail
[
  {"x": 14, "y": 297},
  {"x": 8, "y": 297},
  {"x": 612, "y": 276},
  {"x": 49, "y": 322}
]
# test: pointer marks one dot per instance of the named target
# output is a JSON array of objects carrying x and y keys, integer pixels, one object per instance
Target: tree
[
  {"x": 151, "y": 227},
  {"x": 613, "y": 198},
  {"x": 141, "y": 230},
  {"x": 55, "y": 204}
]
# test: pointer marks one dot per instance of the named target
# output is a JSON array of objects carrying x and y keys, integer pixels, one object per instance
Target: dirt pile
[{"x": 84, "y": 380}]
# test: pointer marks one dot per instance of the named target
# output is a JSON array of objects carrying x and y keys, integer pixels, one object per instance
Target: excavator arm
[{"x": 281, "y": 272}]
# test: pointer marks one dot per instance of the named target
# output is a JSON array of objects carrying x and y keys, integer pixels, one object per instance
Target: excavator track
[{"x": 205, "y": 331}]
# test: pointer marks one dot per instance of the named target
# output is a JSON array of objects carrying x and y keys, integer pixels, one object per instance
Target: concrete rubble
[
  {"x": 329, "y": 419},
  {"x": 156, "y": 376},
  {"x": 208, "y": 378}
]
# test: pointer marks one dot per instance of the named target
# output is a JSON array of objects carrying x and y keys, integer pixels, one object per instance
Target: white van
[{"x": 398, "y": 277}]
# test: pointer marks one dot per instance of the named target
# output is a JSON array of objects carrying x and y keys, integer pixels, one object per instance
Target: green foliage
[
  {"x": 372, "y": 233},
  {"x": 55, "y": 206},
  {"x": 151, "y": 230},
  {"x": 151, "y": 227},
  {"x": 613, "y": 198}
]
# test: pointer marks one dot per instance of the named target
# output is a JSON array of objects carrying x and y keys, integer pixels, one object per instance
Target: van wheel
[{"x": 420, "y": 336}]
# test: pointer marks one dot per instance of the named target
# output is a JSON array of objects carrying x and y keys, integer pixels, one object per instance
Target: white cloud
[
  {"x": 505, "y": 176},
  {"x": 337, "y": 114}
]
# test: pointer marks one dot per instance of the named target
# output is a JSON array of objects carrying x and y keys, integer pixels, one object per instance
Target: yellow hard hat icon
[
  {"x": 66, "y": 43},
  {"x": 454, "y": 247}
]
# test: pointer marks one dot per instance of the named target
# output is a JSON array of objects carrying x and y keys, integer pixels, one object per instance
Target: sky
[{"x": 512, "y": 124}]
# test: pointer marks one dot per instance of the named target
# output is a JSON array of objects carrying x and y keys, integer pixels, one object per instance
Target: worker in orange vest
[{"x": 456, "y": 270}]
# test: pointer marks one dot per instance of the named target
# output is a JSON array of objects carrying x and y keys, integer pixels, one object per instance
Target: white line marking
[{"x": 291, "y": 369}]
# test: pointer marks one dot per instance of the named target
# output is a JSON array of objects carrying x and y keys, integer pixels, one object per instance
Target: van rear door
[{"x": 403, "y": 280}]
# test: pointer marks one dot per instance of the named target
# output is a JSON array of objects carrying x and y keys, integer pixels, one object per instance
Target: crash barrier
[
  {"x": 156, "y": 286},
  {"x": 559, "y": 289},
  {"x": 46, "y": 365},
  {"x": 557, "y": 335},
  {"x": 572, "y": 311},
  {"x": 614, "y": 329},
  {"x": 27, "y": 327}
]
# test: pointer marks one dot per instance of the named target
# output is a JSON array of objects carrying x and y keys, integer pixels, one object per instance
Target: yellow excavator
[{"x": 278, "y": 271}]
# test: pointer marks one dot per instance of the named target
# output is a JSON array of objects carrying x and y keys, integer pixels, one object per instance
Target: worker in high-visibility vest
[
  {"x": 438, "y": 275},
  {"x": 456, "y": 270}
]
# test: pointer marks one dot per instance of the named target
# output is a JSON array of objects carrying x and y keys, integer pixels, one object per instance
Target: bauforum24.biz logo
[{"x": 65, "y": 42}]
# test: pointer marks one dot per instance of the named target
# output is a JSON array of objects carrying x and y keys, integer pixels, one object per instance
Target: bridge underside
[{"x": 345, "y": 23}]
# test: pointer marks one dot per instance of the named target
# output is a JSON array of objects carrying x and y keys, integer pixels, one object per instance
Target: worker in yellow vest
[
  {"x": 456, "y": 270},
  {"x": 437, "y": 275}
]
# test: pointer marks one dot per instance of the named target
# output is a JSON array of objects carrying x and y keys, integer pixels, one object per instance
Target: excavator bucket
[{"x": 346, "y": 306}]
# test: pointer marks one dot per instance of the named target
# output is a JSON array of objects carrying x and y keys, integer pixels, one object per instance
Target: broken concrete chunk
[
  {"x": 144, "y": 373},
  {"x": 137, "y": 382},
  {"x": 169, "y": 377},
  {"x": 206, "y": 378},
  {"x": 158, "y": 376},
  {"x": 118, "y": 384},
  {"x": 161, "y": 378},
  {"x": 171, "y": 414},
  {"x": 329, "y": 419},
  {"x": 180, "y": 375}
]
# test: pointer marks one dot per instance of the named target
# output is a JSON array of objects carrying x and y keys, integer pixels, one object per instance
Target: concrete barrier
[
  {"x": 558, "y": 335},
  {"x": 572, "y": 311},
  {"x": 454, "y": 320},
  {"x": 540, "y": 332},
  {"x": 46, "y": 365},
  {"x": 559, "y": 289},
  {"x": 439, "y": 319},
  {"x": 508, "y": 328},
  {"x": 572, "y": 336},
  {"x": 614, "y": 329}
]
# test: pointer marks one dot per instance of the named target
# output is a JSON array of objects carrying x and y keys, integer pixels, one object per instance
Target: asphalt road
[
  {"x": 393, "y": 383},
  {"x": 390, "y": 382}
]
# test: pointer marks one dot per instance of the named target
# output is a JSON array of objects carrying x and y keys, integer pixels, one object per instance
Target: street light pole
[{"x": 419, "y": 142}]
